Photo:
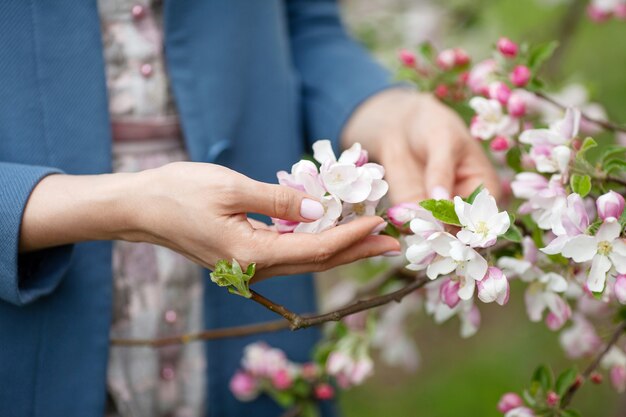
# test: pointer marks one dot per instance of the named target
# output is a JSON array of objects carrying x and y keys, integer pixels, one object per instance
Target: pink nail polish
[
  {"x": 379, "y": 228},
  {"x": 311, "y": 209},
  {"x": 392, "y": 253},
  {"x": 439, "y": 193}
]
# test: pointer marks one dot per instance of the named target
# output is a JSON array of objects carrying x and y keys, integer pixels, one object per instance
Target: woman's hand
[
  {"x": 424, "y": 146},
  {"x": 198, "y": 210}
]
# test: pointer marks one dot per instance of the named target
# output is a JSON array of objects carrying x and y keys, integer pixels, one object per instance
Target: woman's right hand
[{"x": 198, "y": 210}]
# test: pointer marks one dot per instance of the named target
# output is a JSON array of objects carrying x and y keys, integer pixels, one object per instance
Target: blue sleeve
[
  {"x": 25, "y": 277},
  {"x": 336, "y": 73}
]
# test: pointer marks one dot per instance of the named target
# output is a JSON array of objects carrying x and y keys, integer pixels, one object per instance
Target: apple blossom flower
[
  {"x": 527, "y": 184},
  {"x": 605, "y": 250},
  {"x": 494, "y": 287},
  {"x": 453, "y": 255},
  {"x": 574, "y": 220},
  {"x": 545, "y": 206},
  {"x": 509, "y": 401},
  {"x": 580, "y": 339},
  {"x": 402, "y": 213},
  {"x": 490, "y": 120},
  {"x": 575, "y": 96},
  {"x": 520, "y": 412},
  {"x": 347, "y": 369},
  {"x": 261, "y": 360},
  {"x": 419, "y": 251},
  {"x": 517, "y": 105},
  {"x": 520, "y": 75},
  {"x": 542, "y": 293},
  {"x": 615, "y": 362},
  {"x": 480, "y": 76},
  {"x": 499, "y": 91},
  {"x": 465, "y": 310},
  {"x": 324, "y": 391},
  {"x": 244, "y": 386},
  {"x": 619, "y": 288},
  {"x": 350, "y": 211},
  {"x": 407, "y": 58},
  {"x": 597, "y": 14},
  {"x": 481, "y": 221},
  {"x": 617, "y": 375},
  {"x": 446, "y": 59},
  {"x": 610, "y": 204},
  {"x": 507, "y": 47}
]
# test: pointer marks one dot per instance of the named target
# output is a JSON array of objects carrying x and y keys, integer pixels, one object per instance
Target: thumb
[
  {"x": 439, "y": 175},
  {"x": 278, "y": 201}
]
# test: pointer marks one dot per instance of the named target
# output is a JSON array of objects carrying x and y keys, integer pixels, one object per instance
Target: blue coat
[{"x": 255, "y": 81}]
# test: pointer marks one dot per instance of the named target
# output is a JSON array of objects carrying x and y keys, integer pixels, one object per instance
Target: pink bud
[
  {"x": 449, "y": 293},
  {"x": 596, "y": 14},
  {"x": 620, "y": 11},
  {"x": 324, "y": 392},
  {"x": 499, "y": 144},
  {"x": 243, "y": 386},
  {"x": 461, "y": 58},
  {"x": 282, "y": 380},
  {"x": 559, "y": 314},
  {"x": 446, "y": 59},
  {"x": 493, "y": 287},
  {"x": 463, "y": 77},
  {"x": 552, "y": 399},
  {"x": 407, "y": 58},
  {"x": 442, "y": 91},
  {"x": 618, "y": 378},
  {"x": 509, "y": 401},
  {"x": 620, "y": 288},
  {"x": 363, "y": 158},
  {"x": 507, "y": 47},
  {"x": 596, "y": 378},
  {"x": 520, "y": 75},
  {"x": 400, "y": 214},
  {"x": 310, "y": 371},
  {"x": 500, "y": 91},
  {"x": 609, "y": 205},
  {"x": 516, "y": 105}
]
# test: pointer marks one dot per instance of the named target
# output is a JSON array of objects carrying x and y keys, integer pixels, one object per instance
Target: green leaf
[
  {"x": 611, "y": 152},
  {"x": 426, "y": 50},
  {"x": 514, "y": 159},
  {"x": 570, "y": 413},
  {"x": 529, "y": 397},
  {"x": 540, "y": 53},
  {"x": 565, "y": 380},
  {"x": 230, "y": 275},
  {"x": 513, "y": 234},
  {"x": 580, "y": 184},
  {"x": 613, "y": 165},
  {"x": 588, "y": 143},
  {"x": 442, "y": 210},
  {"x": 470, "y": 199},
  {"x": 543, "y": 376}
]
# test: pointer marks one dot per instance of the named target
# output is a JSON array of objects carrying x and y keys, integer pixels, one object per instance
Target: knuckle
[
  {"x": 282, "y": 202},
  {"x": 322, "y": 254}
]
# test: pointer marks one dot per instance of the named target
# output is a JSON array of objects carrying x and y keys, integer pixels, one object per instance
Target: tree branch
[
  {"x": 567, "y": 398},
  {"x": 606, "y": 125}
]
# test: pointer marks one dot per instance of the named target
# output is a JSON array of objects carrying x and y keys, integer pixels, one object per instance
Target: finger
[
  {"x": 476, "y": 169},
  {"x": 368, "y": 247},
  {"x": 293, "y": 248},
  {"x": 277, "y": 201},
  {"x": 404, "y": 173},
  {"x": 439, "y": 174}
]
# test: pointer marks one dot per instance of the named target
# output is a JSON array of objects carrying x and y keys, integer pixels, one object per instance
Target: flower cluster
[
  {"x": 600, "y": 11},
  {"x": 348, "y": 186}
]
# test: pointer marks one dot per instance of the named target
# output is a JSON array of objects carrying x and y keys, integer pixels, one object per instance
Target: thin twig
[
  {"x": 610, "y": 126},
  {"x": 567, "y": 398}
]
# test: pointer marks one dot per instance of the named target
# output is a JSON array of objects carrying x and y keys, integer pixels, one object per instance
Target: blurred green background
[{"x": 465, "y": 377}]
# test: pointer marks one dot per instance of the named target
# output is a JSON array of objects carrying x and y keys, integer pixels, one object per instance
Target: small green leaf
[
  {"x": 442, "y": 210},
  {"x": 540, "y": 53},
  {"x": 230, "y": 274},
  {"x": 514, "y": 159},
  {"x": 529, "y": 397},
  {"x": 580, "y": 184},
  {"x": 611, "y": 152},
  {"x": 565, "y": 380},
  {"x": 426, "y": 50},
  {"x": 614, "y": 165},
  {"x": 543, "y": 376},
  {"x": 470, "y": 199},
  {"x": 513, "y": 234},
  {"x": 588, "y": 143}
]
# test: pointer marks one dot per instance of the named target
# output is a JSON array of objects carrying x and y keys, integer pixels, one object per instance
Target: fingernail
[
  {"x": 311, "y": 209},
  {"x": 392, "y": 253},
  {"x": 379, "y": 228},
  {"x": 439, "y": 193}
]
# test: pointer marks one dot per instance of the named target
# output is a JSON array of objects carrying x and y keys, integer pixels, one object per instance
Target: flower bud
[
  {"x": 282, "y": 380},
  {"x": 516, "y": 106},
  {"x": 400, "y": 214},
  {"x": 507, "y": 47},
  {"x": 324, "y": 392},
  {"x": 619, "y": 289},
  {"x": 596, "y": 378},
  {"x": 442, "y": 91},
  {"x": 609, "y": 205},
  {"x": 446, "y": 60},
  {"x": 449, "y": 293},
  {"x": 499, "y": 91},
  {"x": 509, "y": 401},
  {"x": 520, "y": 75},
  {"x": 499, "y": 144},
  {"x": 494, "y": 287},
  {"x": 461, "y": 58},
  {"x": 407, "y": 58},
  {"x": 552, "y": 399},
  {"x": 243, "y": 386},
  {"x": 618, "y": 378},
  {"x": 560, "y": 313},
  {"x": 363, "y": 158}
]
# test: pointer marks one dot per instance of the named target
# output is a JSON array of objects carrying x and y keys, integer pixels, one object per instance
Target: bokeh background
[{"x": 465, "y": 377}]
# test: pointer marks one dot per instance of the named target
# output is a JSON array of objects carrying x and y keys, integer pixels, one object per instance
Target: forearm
[{"x": 65, "y": 209}]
